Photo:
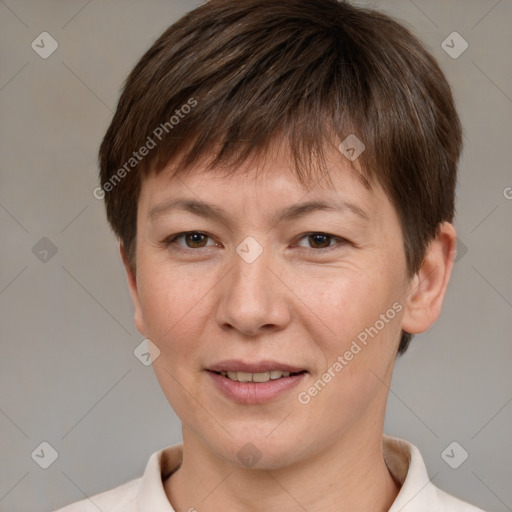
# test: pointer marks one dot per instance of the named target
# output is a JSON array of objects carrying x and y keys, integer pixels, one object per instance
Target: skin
[{"x": 296, "y": 303}]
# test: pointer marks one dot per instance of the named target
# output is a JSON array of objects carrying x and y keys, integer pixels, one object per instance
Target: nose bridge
[
  {"x": 251, "y": 279},
  {"x": 251, "y": 297},
  {"x": 251, "y": 270}
]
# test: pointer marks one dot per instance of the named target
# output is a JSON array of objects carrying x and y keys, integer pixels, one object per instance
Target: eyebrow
[{"x": 295, "y": 211}]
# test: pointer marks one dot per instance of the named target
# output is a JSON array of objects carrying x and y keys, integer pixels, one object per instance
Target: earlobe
[
  {"x": 134, "y": 292},
  {"x": 428, "y": 287}
]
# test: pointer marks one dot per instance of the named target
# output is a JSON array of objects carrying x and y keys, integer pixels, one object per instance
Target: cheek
[
  {"x": 173, "y": 307},
  {"x": 345, "y": 303},
  {"x": 356, "y": 329},
  {"x": 171, "y": 303},
  {"x": 355, "y": 344}
]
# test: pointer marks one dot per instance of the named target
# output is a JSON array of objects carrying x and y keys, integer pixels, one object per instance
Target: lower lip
[{"x": 254, "y": 392}]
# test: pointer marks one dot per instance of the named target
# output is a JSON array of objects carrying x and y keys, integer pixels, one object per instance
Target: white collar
[{"x": 403, "y": 459}]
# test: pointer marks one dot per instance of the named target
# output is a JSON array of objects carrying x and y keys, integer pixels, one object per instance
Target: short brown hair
[{"x": 235, "y": 74}]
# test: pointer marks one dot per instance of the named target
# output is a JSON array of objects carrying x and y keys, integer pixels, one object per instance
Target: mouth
[
  {"x": 257, "y": 376},
  {"x": 255, "y": 383}
]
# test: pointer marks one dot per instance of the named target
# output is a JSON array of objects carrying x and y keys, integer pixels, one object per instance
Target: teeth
[
  {"x": 261, "y": 377},
  {"x": 244, "y": 377},
  {"x": 255, "y": 377}
]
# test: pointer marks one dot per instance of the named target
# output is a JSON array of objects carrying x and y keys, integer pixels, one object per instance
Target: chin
[{"x": 257, "y": 451}]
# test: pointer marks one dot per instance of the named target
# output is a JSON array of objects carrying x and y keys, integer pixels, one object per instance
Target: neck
[{"x": 348, "y": 475}]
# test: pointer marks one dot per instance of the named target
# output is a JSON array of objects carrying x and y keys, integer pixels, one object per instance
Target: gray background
[{"x": 68, "y": 375}]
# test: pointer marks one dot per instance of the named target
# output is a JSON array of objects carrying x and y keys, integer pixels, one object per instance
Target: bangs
[{"x": 245, "y": 101}]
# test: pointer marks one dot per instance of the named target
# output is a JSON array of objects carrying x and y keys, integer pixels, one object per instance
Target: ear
[
  {"x": 132, "y": 285},
  {"x": 428, "y": 287}
]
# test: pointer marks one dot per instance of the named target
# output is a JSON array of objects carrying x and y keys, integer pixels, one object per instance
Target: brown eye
[
  {"x": 195, "y": 239},
  {"x": 319, "y": 239},
  {"x": 318, "y": 243}
]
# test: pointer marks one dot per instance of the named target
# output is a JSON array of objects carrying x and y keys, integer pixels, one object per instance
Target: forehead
[{"x": 271, "y": 185}]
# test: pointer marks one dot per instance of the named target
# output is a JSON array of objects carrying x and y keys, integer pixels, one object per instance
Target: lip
[
  {"x": 251, "y": 393},
  {"x": 236, "y": 365}
]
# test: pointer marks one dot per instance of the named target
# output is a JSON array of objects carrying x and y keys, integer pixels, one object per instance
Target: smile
[
  {"x": 256, "y": 377},
  {"x": 255, "y": 388}
]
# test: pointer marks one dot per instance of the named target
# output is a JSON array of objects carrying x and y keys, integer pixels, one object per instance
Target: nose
[{"x": 253, "y": 299}]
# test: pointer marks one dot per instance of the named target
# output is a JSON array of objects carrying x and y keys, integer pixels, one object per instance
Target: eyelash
[{"x": 172, "y": 241}]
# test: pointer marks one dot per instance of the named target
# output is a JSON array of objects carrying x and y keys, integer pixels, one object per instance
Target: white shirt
[{"x": 147, "y": 494}]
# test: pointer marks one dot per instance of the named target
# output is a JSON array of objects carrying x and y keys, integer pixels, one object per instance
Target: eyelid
[
  {"x": 340, "y": 241},
  {"x": 172, "y": 239}
]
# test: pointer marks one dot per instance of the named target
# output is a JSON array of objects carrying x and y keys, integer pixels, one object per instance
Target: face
[{"x": 241, "y": 286}]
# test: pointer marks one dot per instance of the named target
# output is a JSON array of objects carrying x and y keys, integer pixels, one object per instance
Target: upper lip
[{"x": 235, "y": 365}]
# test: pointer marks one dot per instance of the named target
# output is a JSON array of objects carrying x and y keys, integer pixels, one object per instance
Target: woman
[{"x": 281, "y": 175}]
